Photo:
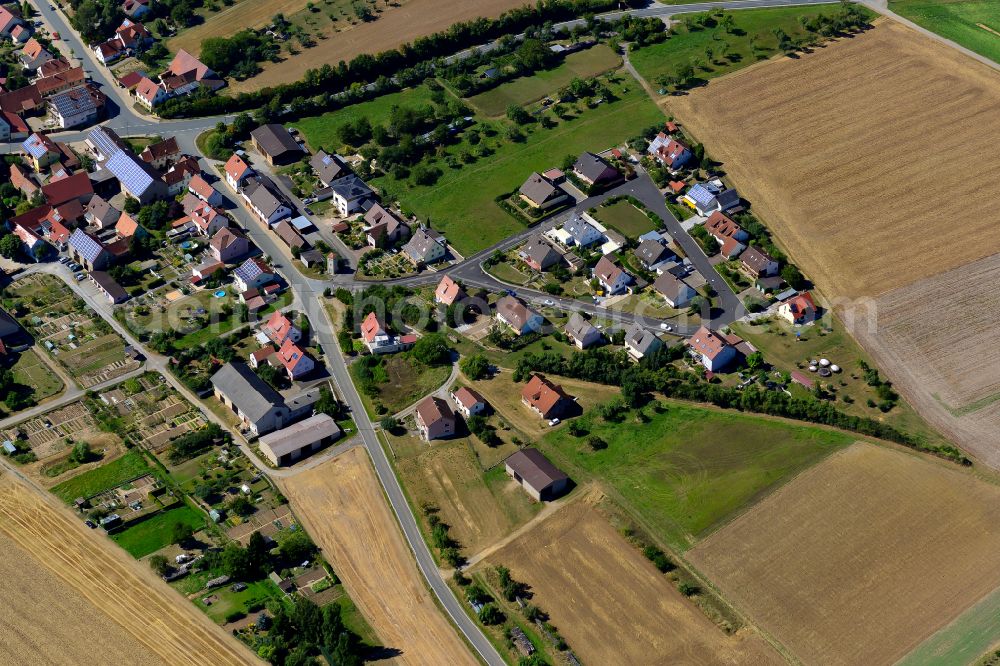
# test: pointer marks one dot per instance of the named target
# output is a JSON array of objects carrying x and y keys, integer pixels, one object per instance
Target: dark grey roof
[
  {"x": 538, "y": 250},
  {"x": 109, "y": 285},
  {"x": 245, "y": 389},
  {"x": 8, "y": 325},
  {"x": 590, "y": 166},
  {"x": 650, "y": 252},
  {"x": 328, "y": 167},
  {"x": 535, "y": 469},
  {"x": 641, "y": 340},
  {"x": 351, "y": 188},
  {"x": 275, "y": 140},
  {"x": 264, "y": 195},
  {"x": 578, "y": 327},
  {"x": 670, "y": 286},
  {"x": 420, "y": 245},
  {"x": 538, "y": 190}
]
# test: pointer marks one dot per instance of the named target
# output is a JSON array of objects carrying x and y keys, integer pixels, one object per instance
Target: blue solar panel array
[
  {"x": 105, "y": 140},
  {"x": 85, "y": 245},
  {"x": 34, "y": 146},
  {"x": 130, "y": 172}
]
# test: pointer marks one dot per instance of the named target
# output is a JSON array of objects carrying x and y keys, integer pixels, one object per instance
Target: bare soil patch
[
  {"x": 342, "y": 506},
  {"x": 862, "y": 557},
  {"x": 144, "y": 620},
  {"x": 416, "y": 18},
  {"x": 861, "y": 178},
  {"x": 610, "y": 603}
]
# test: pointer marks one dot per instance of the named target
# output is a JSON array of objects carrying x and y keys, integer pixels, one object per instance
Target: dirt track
[
  {"x": 860, "y": 558},
  {"x": 342, "y": 506},
  {"x": 107, "y": 607},
  {"x": 867, "y": 183},
  {"x": 417, "y": 18},
  {"x": 610, "y": 603}
]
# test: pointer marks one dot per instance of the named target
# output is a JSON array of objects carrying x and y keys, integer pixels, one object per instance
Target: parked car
[
  {"x": 554, "y": 422},
  {"x": 79, "y": 277},
  {"x": 91, "y": 524}
]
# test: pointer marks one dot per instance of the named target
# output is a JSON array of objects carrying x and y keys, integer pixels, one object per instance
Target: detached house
[
  {"x": 382, "y": 228},
  {"x": 539, "y": 254},
  {"x": 202, "y": 189},
  {"x": 593, "y": 170},
  {"x": 711, "y": 197},
  {"x": 266, "y": 202},
  {"x": 253, "y": 273},
  {"x": 581, "y": 332},
  {"x": 434, "y": 418},
  {"x": 613, "y": 278},
  {"x": 228, "y": 245},
  {"x": 328, "y": 168},
  {"x": 711, "y": 349},
  {"x": 546, "y": 399},
  {"x": 88, "y": 251},
  {"x": 675, "y": 291},
  {"x": 8, "y": 21},
  {"x": 517, "y": 316},
  {"x": 539, "y": 192},
  {"x": 730, "y": 236},
  {"x": 756, "y": 264},
  {"x": 379, "y": 340},
  {"x": 468, "y": 402},
  {"x": 639, "y": 342},
  {"x": 448, "y": 292},
  {"x": 668, "y": 152},
  {"x": 297, "y": 363},
  {"x": 426, "y": 247},
  {"x": 798, "y": 309},
  {"x": 581, "y": 232},
  {"x": 160, "y": 154},
  {"x": 237, "y": 172},
  {"x": 349, "y": 193},
  {"x": 652, "y": 253},
  {"x": 279, "y": 328}
]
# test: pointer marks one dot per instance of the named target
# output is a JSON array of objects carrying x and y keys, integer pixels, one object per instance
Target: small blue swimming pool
[
  {"x": 221, "y": 293},
  {"x": 187, "y": 245}
]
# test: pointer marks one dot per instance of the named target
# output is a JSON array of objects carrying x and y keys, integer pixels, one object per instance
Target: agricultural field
[
  {"x": 683, "y": 471},
  {"x": 782, "y": 131},
  {"x": 568, "y": 560},
  {"x": 625, "y": 218},
  {"x": 715, "y": 50},
  {"x": 394, "y": 27},
  {"x": 143, "y": 620},
  {"x": 975, "y": 24},
  {"x": 968, "y": 637},
  {"x": 954, "y": 390},
  {"x": 583, "y": 64},
  {"x": 341, "y": 504},
  {"x": 862, "y": 557}
]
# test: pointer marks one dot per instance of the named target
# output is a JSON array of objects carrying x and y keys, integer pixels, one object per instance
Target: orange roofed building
[{"x": 546, "y": 399}]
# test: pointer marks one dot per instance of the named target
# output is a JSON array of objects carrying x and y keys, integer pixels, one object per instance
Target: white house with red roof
[
  {"x": 448, "y": 291},
  {"x": 799, "y": 309},
  {"x": 613, "y": 278},
  {"x": 468, "y": 401},
  {"x": 202, "y": 189},
  {"x": 668, "y": 151},
  {"x": 727, "y": 233},
  {"x": 711, "y": 349},
  {"x": 237, "y": 172},
  {"x": 379, "y": 340},
  {"x": 297, "y": 363},
  {"x": 149, "y": 93},
  {"x": 279, "y": 328}
]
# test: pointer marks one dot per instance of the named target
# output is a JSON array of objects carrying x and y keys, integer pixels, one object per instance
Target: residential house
[
  {"x": 581, "y": 332},
  {"x": 133, "y": 35},
  {"x": 279, "y": 328},
  {"x": 254, "y": 272},
  {"x": 34, "y": 55},
  {"x": 276, "y": 144},
  {"x": 297, "y": 363},
  {"x": 186, "y": 73},
  {"x": 160, "y": 154},
  {"x": 88, "y": 251},
  {"x": 468, "y": 401},
  {"x": 710, "y": 197},
  {"x": 150, "y": 93},
  {"x": 179, "y": 176},
  {"x": 517, "y": 316},
  {"x": 60, "y": 81},
  {"x": 75, "y": 107},
  {"x": 208, "y": 219},
  {"x": 8, "y": 21},
  {"x": 613, "y": 278},
  {"x": 266, "y": 201},
  {"x": 237, "y": 172},
  {"x": 728, "y": 234},
  {"x": 31, "y": 240},
  {"x": 594, "y": 171},
  {"x": 639, "y": 342},
  {"x": 670, "y": 153},
  {"x": 711, "y": 349},
  {"x": 206, "y": 270},
  {"x": 202, "y": 189},
  {"x": 757, "y": 264},
  {"x": 299, "y": 440},
  {"x": 799, "y": 309},
  {"x": 126, "y": 227},
  {"x": 541, "y": 480},
  {"x": 22, "y": 179},
  {"x": 138, "y": 179},
  {"x": 539, "y": 254},
  {"x": 12, "y": 127},
  {"x": 379, "y": 340},
  {"x": 20, "y": 34},
  {"x": 349, "y": 193},
  {"x": 382, "y": 228},
  {"x": 53, "y": 67},
  {"x": 135, "y": 8},
  {"x": 426, "y": 247},
  {"x": 66, "y": 189},
  {"x": 41, "y": 151},
  {"x": 292, "y": 238},
  {"x": 674, "y": 290},
  {"x": 546, "y": 399},
  {"x": 651, "y": 253},
  {"x": 108, "y": 51},
  {"x": 581, "y": 232},
  {"x": 448, "y": 292},
  {"x": 328, "y": 168},
  {"x": 435, "y": 420},
  {"x": 228, "y": 245},
  {"x": 108, "y": 286},
  {"x": 538, "y": 192},
  {"x": 259, "y": 407},
  {"x": 20, "y": 101}
]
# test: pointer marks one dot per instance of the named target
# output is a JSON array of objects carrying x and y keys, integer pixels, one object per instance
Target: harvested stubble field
[
  {"x": 94, "y": 590},
  {"x": 341, "y": 505},
  {"x": 838, "y": 155},
  {"x": 610, "y": 603},
  {"x": 861, "y": 557},
  {"x": 416, "y": 18}
]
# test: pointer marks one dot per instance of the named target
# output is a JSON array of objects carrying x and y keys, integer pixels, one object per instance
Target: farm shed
[
  {"x": 536, "y": 474},
  {"x": 297, "y": 441}
]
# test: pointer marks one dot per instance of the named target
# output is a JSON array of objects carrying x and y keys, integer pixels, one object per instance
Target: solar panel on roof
[
  {"x": 130, "y": 172},
  {"x": 85, "y": 245}
]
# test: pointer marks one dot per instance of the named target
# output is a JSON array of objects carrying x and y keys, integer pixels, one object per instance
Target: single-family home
[
  {"x": 207, "y": 219},
  {"x": 757, "y": 264},
  {"x": 516, "y": 315},
  {"x": 202, "y": 189},
  {"x": 299, "y": 440},
  {"x": 186, "y": 73},
  {"x": 276, "y": 144},
  {"x": 468, "y": 402},
  {"x": 290, "y": 236},
  {"x": 435, "y": 420},
  {"x": 40, "y": 150},
  {"x": 425, "y": 247},
  {"x": 279, "y": 328},
  {"x": 728, "y": 234},
  {"x": 161, "y": 153},
  {"x": 34, "y": 55},
  {"x": 297, "y": 363},
  {"x": 254, "y": 272},
  {"x": 448, "y": 292},
  {"x": 108, "y": 286},
  {"x": 581, "y": 232},
  {"x": 710, "y": 197},
  {"x": 581, "y": 332},
  {"x": 669, "y": 152},
  {"x": 74, "y": 107},
  {"x": 237, "y": 171},
  {"x": 613, "y": 278},
  {"x": 711, "y": 349},
  {"x": 652, "y": 253},
  {"x": 595, "y": 171},
  {"x": 60, "y": 81},
  {"x": 674, "y": 290},
  {"x": 538, "y": 192},
  {"x": 127, "y": 226},
  {"x": 382, "y": 228},
  {"x": 328, "y": 168},
  {"x": 537, "y": 475},
  {"x": 20, "y": 34},
  {"x": 88, "y": 251},
  {"x": 31, "y": 240},
  {"x": 206, "y": 269},
  {"x": 12, "y": 127},
  {"x": 546, "y": 399},
  {"x": 228, "y": 245},
  {"x": 22, "y": 179},
  {"x": 259, "y": 407},
  {"x": 379, "y": 340},
  {"x": 137, "y": 178},
  {"x": 8, "y": 21},
  {"x": 799, "y": 309},
  {"x": 640, "y": 342},
  {"x": 150, "y": 93},
  {"x": 266, "y": 201},
  {"x": 179, "y": 175},
  {"x": 349, "y": 193},
  {"x": 539, "y": 254}
]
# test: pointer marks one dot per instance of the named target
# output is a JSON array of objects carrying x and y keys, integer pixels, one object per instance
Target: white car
[
  {"x": 549, "y": 302},
  {"x": 554, "y": 422},
  {"x": 666, "y": 327}
]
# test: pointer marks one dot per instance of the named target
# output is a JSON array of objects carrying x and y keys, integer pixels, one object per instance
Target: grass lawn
[
  {"x": 401, "y": 382},
  {"x": 258, "y": 591},
  {"x": 969, "y": 636},
  {"x": 961, "y": 21},
  {"x": 689, "y": 469},
  {"x": 583, "y": 64},
  {"x": 468, "y": 193},
  {"x": 754, "y": 26},
  {"x": 96, "y": 480},
  {"x": 506, "y": 272},
  {"x": 152, "y": 534},
  {"x": 626, "y": 218},
  {"x": 31, "y": 370},
  {"x": 214, "y": 330},
  {"x": 322, "y": 131},
  {"x": 355, "y": 621}
]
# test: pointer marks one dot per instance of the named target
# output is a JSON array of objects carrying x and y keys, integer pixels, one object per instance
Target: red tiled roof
[
  {"x": 448, "y": 290},
  {"x": 76, "y": 186},
  {"x": 371, "y": 327},
  {"x": 707, "y": 342},
  {"x": 542, "y": 394}
]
